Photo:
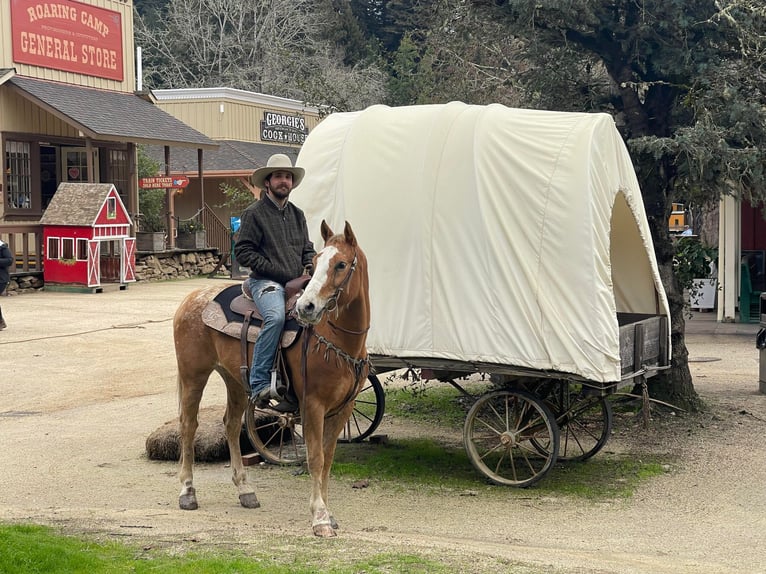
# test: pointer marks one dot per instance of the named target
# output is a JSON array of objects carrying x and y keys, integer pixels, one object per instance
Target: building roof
[
  {"x": 231, "y": 156},
  {"x": 109, "y": 115},
  {"x": 76, "y": 204},
  {"x": 224, "y": 93}
]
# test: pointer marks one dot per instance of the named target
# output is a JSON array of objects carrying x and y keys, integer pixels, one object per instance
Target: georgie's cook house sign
[
  {"x": 276, "y": 127},
  {"x": 69, "y": 36}
]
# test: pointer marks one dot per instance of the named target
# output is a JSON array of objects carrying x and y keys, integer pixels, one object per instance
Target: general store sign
[
  {"x": 178, "y": 182},
  {"x": 69, "y": 36},
  {"x": 283, "y": 128}
]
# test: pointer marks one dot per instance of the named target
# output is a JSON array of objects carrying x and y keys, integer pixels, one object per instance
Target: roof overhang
[{"x": 105, "y": 115}]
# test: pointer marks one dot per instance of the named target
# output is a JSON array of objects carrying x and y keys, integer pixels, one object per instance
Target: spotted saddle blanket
[{"x": 227, "y": 311}]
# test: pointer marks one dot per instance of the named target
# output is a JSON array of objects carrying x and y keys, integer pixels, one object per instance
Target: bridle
[
  {"x": 332, "y": 302},
  {"x": 358, "y": 365}
]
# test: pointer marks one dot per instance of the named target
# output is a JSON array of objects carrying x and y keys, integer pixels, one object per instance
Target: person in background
[
  {"x": 6, "y": 260},
  {"x": 274, "y": 243}
]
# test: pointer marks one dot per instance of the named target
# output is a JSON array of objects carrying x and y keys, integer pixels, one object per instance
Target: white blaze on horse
[{"x": 326, "y": 366}]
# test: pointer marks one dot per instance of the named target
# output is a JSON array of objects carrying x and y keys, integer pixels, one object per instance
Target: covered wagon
[{"x": 504, "y": 241}]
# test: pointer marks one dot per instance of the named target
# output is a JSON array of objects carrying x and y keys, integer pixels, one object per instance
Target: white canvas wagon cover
[{"x": 493, "y": 234}]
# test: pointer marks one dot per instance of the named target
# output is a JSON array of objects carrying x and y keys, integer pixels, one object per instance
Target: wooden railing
[
  {"x": 26, "y": 243},
  {"x": 217, "y": 233}
]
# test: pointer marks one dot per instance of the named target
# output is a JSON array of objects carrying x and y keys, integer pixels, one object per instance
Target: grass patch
[
  {"x": 434, "y": 402},
  {"x": 600, "y": 478},
  {"x": 428, "y": 463},
  {"x": 411, "y": 462},
  {"x": 26, "y": 549},
  {"x": 425, "y": 462}
]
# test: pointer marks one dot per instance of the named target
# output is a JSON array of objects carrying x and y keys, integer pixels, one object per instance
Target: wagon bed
[{"x": 643, "y": 352}]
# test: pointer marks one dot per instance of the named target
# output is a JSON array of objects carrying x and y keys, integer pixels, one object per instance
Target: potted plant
[
  {"x": 152, "y": 230},
  {"x": 697, "y": 272},
  {"x": 191, "y": 234}
]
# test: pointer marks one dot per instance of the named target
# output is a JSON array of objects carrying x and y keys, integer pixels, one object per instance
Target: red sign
[
  {"x": 67, "y": 35},
  {"x": 177, "y": 182}
]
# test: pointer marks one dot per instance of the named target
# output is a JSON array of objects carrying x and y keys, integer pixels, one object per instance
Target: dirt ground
[{"x": 85, "y": 378}]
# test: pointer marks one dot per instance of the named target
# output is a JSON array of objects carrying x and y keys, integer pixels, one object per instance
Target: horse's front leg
[
  {"x": 313, "y": 426},
  {"x": 189, "y": 400},
  {"x": 333, "y": 426},
  {"x": 232, "y": 419}
]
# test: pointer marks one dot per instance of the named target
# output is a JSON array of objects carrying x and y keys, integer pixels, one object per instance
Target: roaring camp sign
[{"x": 68, "y": 36}]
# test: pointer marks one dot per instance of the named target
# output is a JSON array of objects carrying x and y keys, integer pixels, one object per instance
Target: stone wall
[
  {"x": 175, "y": 265},
  {"x": 149, "y": 267}
]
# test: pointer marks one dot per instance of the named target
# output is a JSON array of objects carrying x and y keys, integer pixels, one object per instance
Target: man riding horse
[{"x": 274, "y": 243}]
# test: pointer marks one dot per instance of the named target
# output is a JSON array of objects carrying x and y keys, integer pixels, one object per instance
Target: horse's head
[{"x": 340, "y": 276}]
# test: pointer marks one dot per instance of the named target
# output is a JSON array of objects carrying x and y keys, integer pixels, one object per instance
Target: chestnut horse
[{"x": 326, "y": 366}]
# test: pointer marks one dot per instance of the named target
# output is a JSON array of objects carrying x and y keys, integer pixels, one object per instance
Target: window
[
  {"x": 67, "y": 248},
  {"x": 18, "y": 170},
  {"x": 111, "y": 208},
  {"x": 53, "y": 248},
  {"x": 118, "y": 171},
  {"x": 82, "y": 249}
]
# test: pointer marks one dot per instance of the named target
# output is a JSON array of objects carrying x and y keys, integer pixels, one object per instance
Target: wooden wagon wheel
[
  {"x": 584, "y": 419},
  {"x": 498, "y": 435},
  {"x": 277, "y": 438},
  {"x": 368, "y": 411}
]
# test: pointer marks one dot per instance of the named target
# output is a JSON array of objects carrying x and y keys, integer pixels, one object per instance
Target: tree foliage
[
  {"x": 270, "y": 46},
  {"x": 684, "y": 81}
]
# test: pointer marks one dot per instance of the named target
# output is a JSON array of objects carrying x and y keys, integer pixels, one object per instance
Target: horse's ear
[
  {"x": 349, "y": 233},
  {"x": 326, "y": 231}
]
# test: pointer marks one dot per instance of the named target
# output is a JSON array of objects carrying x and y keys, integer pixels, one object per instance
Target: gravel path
[{"x": 84, "y": 379}]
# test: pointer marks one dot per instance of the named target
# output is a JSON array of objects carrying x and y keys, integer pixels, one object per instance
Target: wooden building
[
  {"x": 248, "y": 126},
  {"x": 87, "y": 238},
  {"x": 69, "y": 109}
]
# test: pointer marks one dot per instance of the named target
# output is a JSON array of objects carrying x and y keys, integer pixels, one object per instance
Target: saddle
[
  {"x": 226, "y": 313},
  {"x": 234, "y": 313}
]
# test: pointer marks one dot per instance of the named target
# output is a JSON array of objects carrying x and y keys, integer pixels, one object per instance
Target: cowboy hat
[{"x": 277, "y": 162}]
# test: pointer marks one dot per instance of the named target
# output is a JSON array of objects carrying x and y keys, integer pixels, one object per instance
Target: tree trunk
[{"x": 675, "y": 385}]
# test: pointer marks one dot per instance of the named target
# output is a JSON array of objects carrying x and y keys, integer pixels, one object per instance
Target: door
[
  {"x": 129, "y": 260},
  {"x": 74, "y": 164},
  {"x": 94, "y": 263}
]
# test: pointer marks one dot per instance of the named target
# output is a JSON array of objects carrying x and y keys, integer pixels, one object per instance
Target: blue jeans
[{"x": 269, "y": 297}]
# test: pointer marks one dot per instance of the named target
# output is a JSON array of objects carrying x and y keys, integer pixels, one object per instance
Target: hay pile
[{"x": 209, "y": 442}]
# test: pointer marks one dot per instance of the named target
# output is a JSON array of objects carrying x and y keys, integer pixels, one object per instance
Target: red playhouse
[{"x": 86, "y": 239}]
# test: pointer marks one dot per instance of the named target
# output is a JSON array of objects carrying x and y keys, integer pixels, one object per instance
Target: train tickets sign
[
  {"x": 68, "y": 36},
  {"x": 166, "y": 182},
  {"x": 283, "y": 128}
]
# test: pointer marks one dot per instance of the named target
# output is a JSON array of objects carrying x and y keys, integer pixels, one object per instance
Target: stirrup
[{"x": 277, "y": 389}]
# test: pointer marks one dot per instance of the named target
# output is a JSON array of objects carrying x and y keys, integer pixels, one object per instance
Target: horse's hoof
[
  {"x": 324, "y": 531},
  {"x": 188, "y": 502},
  {"x": 249, "y": 500},
  {"x": 334, "y": 523}
]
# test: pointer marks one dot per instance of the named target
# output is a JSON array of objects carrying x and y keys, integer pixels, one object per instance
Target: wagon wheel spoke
[
  {"x": 277, "y": 438},
  {"x": 369, "y": 408},
  {"x": 585, "y": 422},
  {"x": 498, "y": 435}
]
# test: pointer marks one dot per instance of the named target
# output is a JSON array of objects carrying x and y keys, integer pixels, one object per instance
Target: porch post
[
  {"x": 201, "y": 180},
  {"x": 89, "y": 160},
  {"x": 170, "y": 203}
]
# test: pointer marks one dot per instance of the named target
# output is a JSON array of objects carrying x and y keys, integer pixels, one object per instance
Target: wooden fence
[{"x": 26, "y": 243}]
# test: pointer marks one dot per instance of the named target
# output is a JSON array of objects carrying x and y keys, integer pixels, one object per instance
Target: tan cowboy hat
[{"x": 277, "y": 162}]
